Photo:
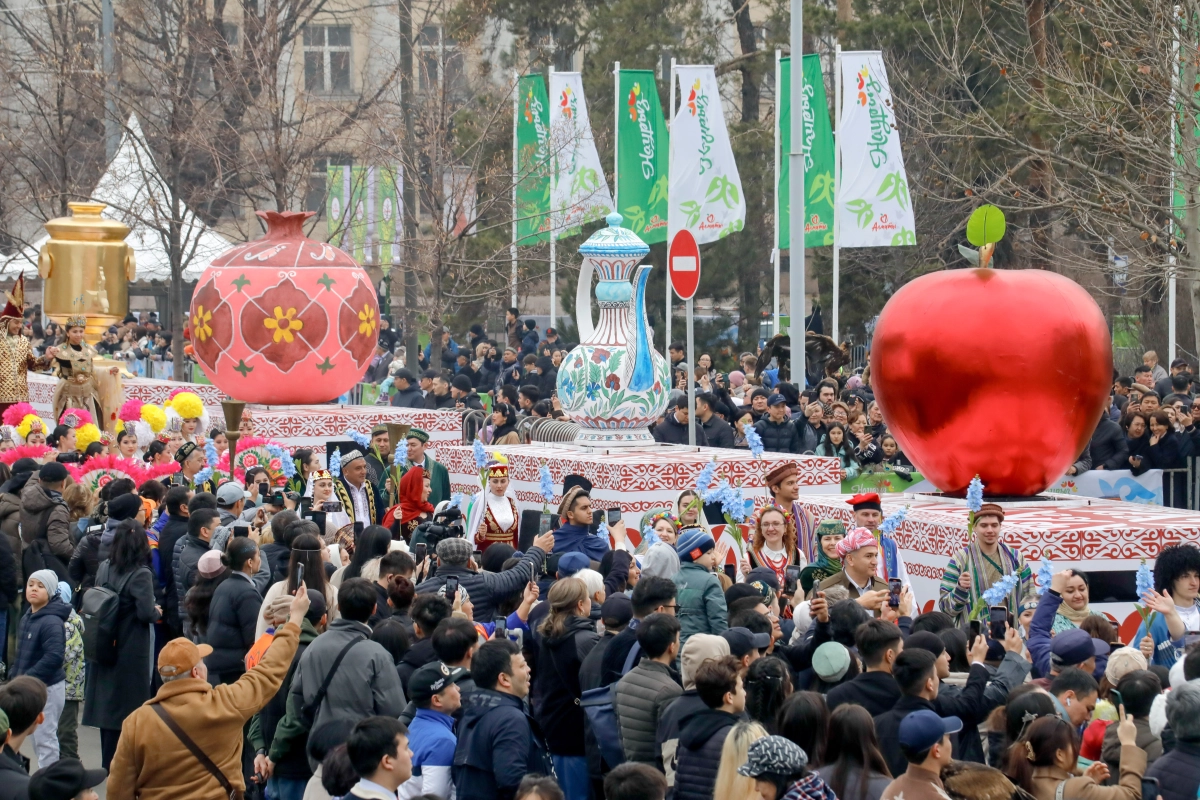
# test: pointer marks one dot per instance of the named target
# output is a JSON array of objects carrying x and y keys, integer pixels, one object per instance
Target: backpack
[
  {"x": 599, "y": 705},
  {"x": 99, "y": 613}
]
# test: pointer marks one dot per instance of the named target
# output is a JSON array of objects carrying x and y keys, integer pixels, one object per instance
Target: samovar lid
[
  {"x": 614, "y": 241},
  {"x": 87, "y": 225}
]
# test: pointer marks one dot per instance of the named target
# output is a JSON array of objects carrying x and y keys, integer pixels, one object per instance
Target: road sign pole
[{"x": 691, "y": 379}]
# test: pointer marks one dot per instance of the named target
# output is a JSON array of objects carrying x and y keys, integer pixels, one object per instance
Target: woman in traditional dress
[
  {"x": 74, "y": 364},
  {"x": 217, "y": 436},
  {"x": 829, "y": 532},
  {"x": 774, "y": 543},
  {"x": 665, "y": 529},
  {"x": 414, "y": 507},
  {"x": 689, "y": 511},
  {"x": 307, "y": 463},
  {"x": 320, "y": 488},
  {"x": 494, "y": 516}
]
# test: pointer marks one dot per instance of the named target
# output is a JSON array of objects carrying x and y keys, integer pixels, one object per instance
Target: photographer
[{"x": 486, "y": 589}]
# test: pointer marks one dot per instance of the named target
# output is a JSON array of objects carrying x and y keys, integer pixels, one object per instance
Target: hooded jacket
[
  {"x": 42, "y": 643},
  {"x": 572, "y": 538},
  {"x": 499, "y": 743},
  {"x": 699, "y": 753},
  {"x": 10, "y": 513},
  {"x": 14, "y": 775},
  {"x": 38, "y": 503}
]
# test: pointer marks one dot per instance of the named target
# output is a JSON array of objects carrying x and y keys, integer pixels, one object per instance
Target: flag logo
[
  {"x": 567, "y": 102},
  {"x": 633, "y": 99}
]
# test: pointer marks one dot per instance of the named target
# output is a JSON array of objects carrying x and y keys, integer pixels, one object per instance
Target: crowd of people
[{"x": 230, "y": 641}]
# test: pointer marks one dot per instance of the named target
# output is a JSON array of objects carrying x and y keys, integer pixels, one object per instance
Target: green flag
[
  {"x": 388, "y": 212},
  {"x": 533, "y": 161},
  {"x": 817, "y": 146},
  {"x": 335, "y": 199},
  {"x": 358, "y": 212},
  {"x": 642, "y": 156}
]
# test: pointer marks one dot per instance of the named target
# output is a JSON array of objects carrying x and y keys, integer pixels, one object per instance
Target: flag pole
[
  {"x": 667, "y": 277},
  {"x": 776, "y": 320},
  {"x": 512, "y": 250},
  {"x": 796, "y": 196},
  {"x": 1171, "y": 257},
  {"x": 553, "y": 236},
  {"x": 616, "y": 136},
  {"x": 837, "y": 178}
]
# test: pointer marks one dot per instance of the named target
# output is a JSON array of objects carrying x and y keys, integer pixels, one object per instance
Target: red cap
[
  {"x": 867, "y": 500},
  {"x": 1093, "y": 739}
]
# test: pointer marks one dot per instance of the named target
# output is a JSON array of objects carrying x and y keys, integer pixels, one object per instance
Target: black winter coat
[
  {"x": 84, "y": 563},
  {"x": 718, "y": 432},
  {"x": 699, "y": 752},
  {"x": 232, "y": 622},
  {"x": 10, "y": 571},
  {"x": 113, "y": 692},
  {"x": 14, "y": 774},
  {"x": 498, "y": 745},
  {"x": 42, "y": 643},
  {"x": 420, "y": 654},
  {"x": 877, "y": 692},
  {"x": 277, "y": 556},
  {"x": 559, "y": 660},
  {"x": 1108, "y": 446},
  {"x": 671, "y": 431},
  {"x": 172, "y": 532},
  {"x": 409, "y": 398},
  {"x": 887, "y": 730},
  {"x": 185, "y": 566},
  {"x": 1178, "y": 772},
  {"x": 488, "y": 589},
  {"x": 779, "y": 437}
]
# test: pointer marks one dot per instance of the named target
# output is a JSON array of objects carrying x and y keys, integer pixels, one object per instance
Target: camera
[{"x": 445, "y": 524}]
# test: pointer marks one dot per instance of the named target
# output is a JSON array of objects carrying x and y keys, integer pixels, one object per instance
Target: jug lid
[{"x": 614, "y": 241}]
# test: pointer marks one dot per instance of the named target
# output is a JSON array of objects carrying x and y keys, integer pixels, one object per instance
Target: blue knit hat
[{"x": 693, "y": 543}]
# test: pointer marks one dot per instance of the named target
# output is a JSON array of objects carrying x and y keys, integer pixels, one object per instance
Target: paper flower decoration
[
  {"x": 131, "y": 410},
  {"x": 754, "y": 442},
  {"x": 86, "y": 434},
  {"x": 359, "y": 438},
  {"x": 997, "y": 594},
  {"x": 15, "y": 413},
  {"x": 1044, "y": 576},
  {"x": 335, "y": 464},
  {"x": 154, "y": 416},
  {"x": 892, "y": 523},
  {"x": 188, "y": 405},
  {"x": 545, "y": 484},
  {"x": 975, "y": 495}
]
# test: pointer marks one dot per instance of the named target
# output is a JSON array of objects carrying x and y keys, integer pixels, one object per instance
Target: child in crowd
[
  {"x": 701, "y": 603},
  {"x": 41, "y": 652},
  {"x": 68, "y": 722}
]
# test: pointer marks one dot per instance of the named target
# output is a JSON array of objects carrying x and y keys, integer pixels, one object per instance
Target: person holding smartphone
[{"x": 977, "y": 567}]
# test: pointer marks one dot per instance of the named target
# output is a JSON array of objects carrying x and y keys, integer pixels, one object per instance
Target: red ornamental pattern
[
  {"x": 358, "y": 323},
  {"x": 211, "y": 324},
  {"x": 283, "y": 324}
]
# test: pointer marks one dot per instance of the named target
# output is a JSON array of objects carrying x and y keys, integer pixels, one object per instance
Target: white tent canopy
[{"x": 135, "y": 194}]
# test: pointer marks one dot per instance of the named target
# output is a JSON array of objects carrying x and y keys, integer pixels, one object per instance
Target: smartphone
[
  {"x": 501, "y": 631},
  {"x": 241, "y": 530},
  {"x": 477, "y": 556},
  {"x": 358, "y": 529},
  {"x": 975, "y": 628},
  {"x": 318, "y": 518},
  {"x": 300, "y": 574},
  {"x": 451, "y": 589},
  {"x": 997, "y": 621},
  {"x": 545, "y": 524},
  {"x": 419, "y": 551},
  {"x": 1150, "y": 788},
  {"x": 597, "y": 521},
  {"x": 731, "y": 571},
  {"x": 895, "y": 586},
  {"x": 615, "y": 515},
  {"x": 791, "y": 580},
  {"x": 1116, "y": 698}
]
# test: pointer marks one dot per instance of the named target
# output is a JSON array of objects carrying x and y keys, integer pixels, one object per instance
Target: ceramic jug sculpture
[{"x": 614, "y": 384}]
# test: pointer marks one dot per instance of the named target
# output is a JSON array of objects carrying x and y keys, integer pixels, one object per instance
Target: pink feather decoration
[
  {"x": 131, "y": 410},
  {"x": 81, "y": 414},
  {"x": 15, "y": 413},
  {"x": 34, "y": 451},
  {"x": 99, "y": 470}
]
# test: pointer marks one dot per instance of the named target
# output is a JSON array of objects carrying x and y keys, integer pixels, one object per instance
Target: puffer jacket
[
  {"x": 672, "y": 431},
  {"x": 10, "y": 518},
  {"x": 499, "y": 743},
  {"x": 779, "y": 437},
  {"x": 700, "y": 744},
  {"x": 640, "y": 699},
  {"x": 37, "y": 504},
  {"x": 557, "y": 686},
  {"x": 701, "y": 603},
  {"x": 42, "y": 643},
  {"x": 488, "y": 589},
  {"x": 408, "y": 398}
]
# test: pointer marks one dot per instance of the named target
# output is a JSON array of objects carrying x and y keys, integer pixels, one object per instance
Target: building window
[
  {"x": 327, "y": 59},
  {"x": 440, "y": 59},
  {"x": 318, "y": 182}
]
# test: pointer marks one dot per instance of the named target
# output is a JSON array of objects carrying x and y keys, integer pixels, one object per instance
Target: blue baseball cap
[
  {"x": 922, "y": 729},
  {"x": 777, "y": 400},
  {"x": 1075, "y": 646}
]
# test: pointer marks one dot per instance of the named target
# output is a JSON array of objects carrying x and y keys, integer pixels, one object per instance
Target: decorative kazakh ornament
[{"x": 498, "y": 466}]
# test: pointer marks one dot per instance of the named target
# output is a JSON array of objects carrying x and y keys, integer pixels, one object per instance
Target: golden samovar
[{"x": 87, "y": 267}]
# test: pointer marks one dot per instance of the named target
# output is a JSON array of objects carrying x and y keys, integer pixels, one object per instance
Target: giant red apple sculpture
[
  {"x": 1000, "y": 373},
  {"x": 284, "y": 319}
]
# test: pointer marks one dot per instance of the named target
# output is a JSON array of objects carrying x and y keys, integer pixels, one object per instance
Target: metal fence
[{"x": 1181, "y": 487}]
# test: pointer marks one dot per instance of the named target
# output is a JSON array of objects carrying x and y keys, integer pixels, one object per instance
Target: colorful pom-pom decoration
[
  {"x": 154, "y": 416},
  {"x": 15, "y": 413},
  {"x": 86, "y": 434},
  {"x": 76, "y": 418},
  {"x": 28, "y": 422},
  {"x": 188, "y": 405},
  {"x": 131, "y": 410}
]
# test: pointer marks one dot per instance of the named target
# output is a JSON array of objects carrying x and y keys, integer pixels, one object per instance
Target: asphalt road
[{"x": 89, "y": 752}]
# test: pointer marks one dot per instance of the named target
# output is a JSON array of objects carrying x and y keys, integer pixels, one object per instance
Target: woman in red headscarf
[{"x": 414, "y": 507}]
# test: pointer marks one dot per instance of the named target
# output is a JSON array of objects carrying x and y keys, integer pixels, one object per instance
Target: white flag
[
  {"x": 874, "y": 207},
  {"x": 705, "y": 192},
  {"x": 578, "y": 190}
]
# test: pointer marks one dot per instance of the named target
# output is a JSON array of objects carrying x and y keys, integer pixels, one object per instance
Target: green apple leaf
[{"x": 986, "y": 226}]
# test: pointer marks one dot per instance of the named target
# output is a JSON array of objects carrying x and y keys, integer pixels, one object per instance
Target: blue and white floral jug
[{"x": 614, "y": 384}]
